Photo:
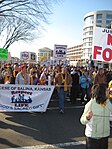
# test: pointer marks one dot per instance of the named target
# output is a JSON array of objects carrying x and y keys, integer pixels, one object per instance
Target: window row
[
  {"x": 43, "y": 54},
  {"x": 87, "y": 39}
]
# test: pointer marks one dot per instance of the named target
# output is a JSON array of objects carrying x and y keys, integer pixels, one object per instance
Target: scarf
[
  {"x": 25, "y": 78},
  {"x": 64, "y": 81}
]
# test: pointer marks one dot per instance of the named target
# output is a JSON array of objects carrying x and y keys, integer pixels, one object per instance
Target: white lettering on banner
[
  {"x": 23, "y": 98},
  {"x": 102, "y": 45}
]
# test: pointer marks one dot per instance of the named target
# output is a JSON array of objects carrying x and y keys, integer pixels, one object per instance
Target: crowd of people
[
  {"x": 93, "y": 84},
  {"x": 68, "y": 80}
]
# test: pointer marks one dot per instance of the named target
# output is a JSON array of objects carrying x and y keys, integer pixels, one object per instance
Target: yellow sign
[{"x": 42, "y": 58}]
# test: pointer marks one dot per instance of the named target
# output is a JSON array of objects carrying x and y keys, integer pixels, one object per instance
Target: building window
[
  {"x": 99, "y": 16},
  {"x": 91, "y": 27},
  {"x": 109, "y": 17},
  {"x": 45, "y": 54},
  {"x": 90, "y": 44},
  {"x": 108, "y": 22},
  {"x": 98, "y": 25},
  {"x": 40, "y": 54},
  {"x": 89, "y": 20},
  {"x": 90, "y": 38},
  {"x": 99, "y": 21},
  {"x": 90, "y": 33},
  {"x": 90, "y": 50}
]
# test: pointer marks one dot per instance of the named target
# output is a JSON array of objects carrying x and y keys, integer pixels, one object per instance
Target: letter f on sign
[{"x": 96, "y": 51}]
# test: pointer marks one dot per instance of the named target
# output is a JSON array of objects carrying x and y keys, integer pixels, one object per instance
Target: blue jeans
[{"x": 61, "y": 95}]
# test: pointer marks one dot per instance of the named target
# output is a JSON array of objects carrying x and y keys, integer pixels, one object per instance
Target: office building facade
[{"x": 74, "y": 54}]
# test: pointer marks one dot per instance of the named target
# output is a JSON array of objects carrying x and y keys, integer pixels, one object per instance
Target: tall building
[
  {"x": 101, "y": 18},
  {"x": 74, "y": 54}
]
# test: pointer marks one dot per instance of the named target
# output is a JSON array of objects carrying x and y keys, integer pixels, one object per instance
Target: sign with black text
[{"x": 60, "y": 52}]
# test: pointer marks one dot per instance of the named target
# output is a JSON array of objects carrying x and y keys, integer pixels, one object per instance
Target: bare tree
[
  {"x": 3, "y": 24},
  {"x": 18, "y": 18},
  {"x": 33, "y": 12},
  {"x": 19, "y": 30}
]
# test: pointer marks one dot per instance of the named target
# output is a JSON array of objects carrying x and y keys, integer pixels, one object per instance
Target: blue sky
[{"x": 66, "y": 25}]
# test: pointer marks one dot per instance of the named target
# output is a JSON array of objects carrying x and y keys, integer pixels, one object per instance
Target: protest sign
[
  {"x": 24, "y": 98},
  {"x": 60, "y": 52},
  {"x": 102, "y": 44},
  {"x": 3, "y": 54}
]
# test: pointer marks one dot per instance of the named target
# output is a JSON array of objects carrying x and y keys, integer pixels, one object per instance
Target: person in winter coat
[
  {"x": 34, "y": 79},
  {"x": 74, "y": 92},
  {"x": 63, "y": 83},
  {"x": 22, "y": 77},
  {"x": 85, "y": 81},
  {"x": 100, "y": 77},
  {"x": 96, "y": 117}
]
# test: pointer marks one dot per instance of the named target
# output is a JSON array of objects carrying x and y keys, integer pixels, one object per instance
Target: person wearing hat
[{"x": 22, "y": 77}]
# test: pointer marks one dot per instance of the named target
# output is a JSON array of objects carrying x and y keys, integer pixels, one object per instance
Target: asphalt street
[{"x": 50, "y": 130}]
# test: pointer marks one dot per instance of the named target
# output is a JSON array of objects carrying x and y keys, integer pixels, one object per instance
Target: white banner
[
  {"x": 30, "y": 56},
  {"x": 25, "y": 98},
  {"x": 60, "y": 52},
  {"x": 25, "y": 55},
  {"x": 102, "y": 44}
]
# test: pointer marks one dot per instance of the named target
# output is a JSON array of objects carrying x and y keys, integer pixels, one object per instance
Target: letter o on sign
[{"x": 108, "y": 52}]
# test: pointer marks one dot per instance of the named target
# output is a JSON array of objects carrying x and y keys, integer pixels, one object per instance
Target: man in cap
[{"x": 22, "y": 77}]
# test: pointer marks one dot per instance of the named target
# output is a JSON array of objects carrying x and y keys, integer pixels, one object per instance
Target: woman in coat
[{"x": 96, "y": 117}]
